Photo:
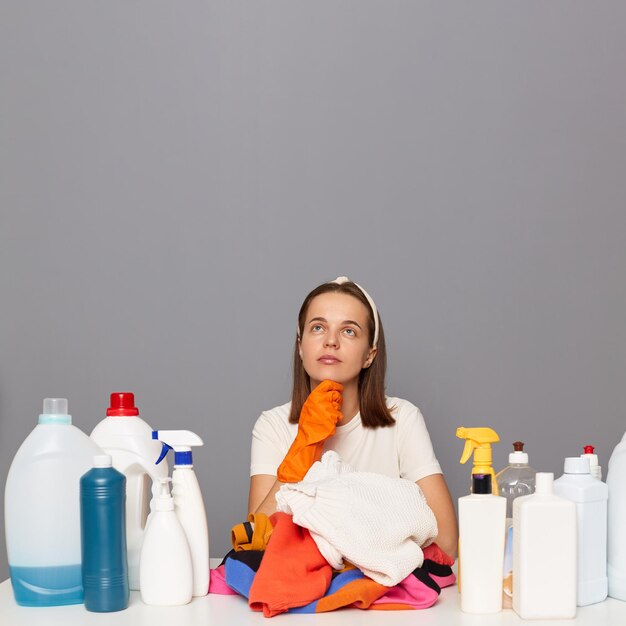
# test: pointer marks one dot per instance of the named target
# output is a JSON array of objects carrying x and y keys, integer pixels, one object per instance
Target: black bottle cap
[{"x": 481, "y": 483}]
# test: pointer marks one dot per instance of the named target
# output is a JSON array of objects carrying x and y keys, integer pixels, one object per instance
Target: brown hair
[{"x": 372, "y": 404}]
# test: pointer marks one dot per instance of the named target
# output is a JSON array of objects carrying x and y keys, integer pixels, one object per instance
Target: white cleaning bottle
[
  {"x": 188, "y": 501},
  {"x": 544, "y": 553},
  {"x": 128, "y": 439},
  {"x": 515, "y": 480},
  {"x": 42, "y": 509},
  {"x": 616, "y": 548},
  {"x": 165, "y": 569},
  {"x": 590, "y": 496}
]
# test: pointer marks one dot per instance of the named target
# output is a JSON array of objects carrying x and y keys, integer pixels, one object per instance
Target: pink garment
[
  {"x": 410, "y": 592},
  {"x": 217, "y": 582}
]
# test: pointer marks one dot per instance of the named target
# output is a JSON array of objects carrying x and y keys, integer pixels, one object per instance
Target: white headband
[{"x": 340, "y": 280}]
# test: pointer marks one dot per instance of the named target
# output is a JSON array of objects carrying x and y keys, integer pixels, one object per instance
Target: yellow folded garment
[{"x": 253, "y": 534}]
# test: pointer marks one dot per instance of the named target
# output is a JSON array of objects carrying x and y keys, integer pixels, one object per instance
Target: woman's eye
[
  {"x": 316, "y": 328},
  {"x": 350, "y": 332}
]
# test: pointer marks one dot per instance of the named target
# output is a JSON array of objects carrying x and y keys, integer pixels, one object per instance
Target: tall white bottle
[
  {"x": 128, "y": 439},
  {"x": 188, "y": 501},
  {"x": 616, "y": 548},
  {"x": 482, "y": 518},
  {"x": 544, "y": 553},
  {"x": 165, "y": 568},
  {"x": 590, "y": 496}
]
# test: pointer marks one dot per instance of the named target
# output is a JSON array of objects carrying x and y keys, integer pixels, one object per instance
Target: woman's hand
[{"x": 318, "y": 421}]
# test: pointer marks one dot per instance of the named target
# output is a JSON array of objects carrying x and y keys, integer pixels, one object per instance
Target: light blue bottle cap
[{"x": 55, "y": 411}]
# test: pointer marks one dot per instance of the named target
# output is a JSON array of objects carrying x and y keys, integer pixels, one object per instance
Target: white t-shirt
[{"x": 402, "y": 450}]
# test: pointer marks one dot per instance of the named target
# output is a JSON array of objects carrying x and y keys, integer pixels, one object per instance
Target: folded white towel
[{"x": 376, "y": 522}]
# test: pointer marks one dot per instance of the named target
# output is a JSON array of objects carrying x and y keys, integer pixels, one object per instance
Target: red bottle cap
[
  {"x": 122, "y": 404},
  {"x": 589, "y": 449}
]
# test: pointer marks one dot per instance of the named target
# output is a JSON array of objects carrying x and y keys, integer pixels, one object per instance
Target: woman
[{"x": 338, "y": 403}]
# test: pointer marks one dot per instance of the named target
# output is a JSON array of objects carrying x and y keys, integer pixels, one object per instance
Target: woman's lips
[{"x": 328, "y": 360}]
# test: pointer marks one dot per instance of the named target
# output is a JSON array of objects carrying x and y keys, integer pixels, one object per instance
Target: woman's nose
[{"x": 331, "y": 339}]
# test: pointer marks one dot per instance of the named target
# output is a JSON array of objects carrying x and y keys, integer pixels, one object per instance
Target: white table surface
[{"x": 217, "y": 610}]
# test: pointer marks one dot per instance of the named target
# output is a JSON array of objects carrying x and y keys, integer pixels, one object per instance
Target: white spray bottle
[{"x": 188, "y": 501}]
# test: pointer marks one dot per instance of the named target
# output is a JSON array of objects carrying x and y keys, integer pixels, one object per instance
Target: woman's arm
[
  {"x": 261, "y": 498},
  {"x": 437, "y": 496}
]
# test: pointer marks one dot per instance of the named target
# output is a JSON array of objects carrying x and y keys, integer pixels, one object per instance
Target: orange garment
[
  {"x": 318, "y": 420},
  {"x": 253, "y": 534},
  {"x": 292, "y": 573}
]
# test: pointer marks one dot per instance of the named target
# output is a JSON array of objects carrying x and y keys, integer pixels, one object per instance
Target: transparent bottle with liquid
[
  {"x": 515, "y": 480},
  {"x": 42, "y": 509}
]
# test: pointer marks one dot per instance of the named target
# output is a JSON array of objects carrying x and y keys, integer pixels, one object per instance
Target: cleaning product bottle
[
  {"x": 517, "y": 479},
  {"x": 589, "y": 453},
  {"x": 103, "y": 537},
  {"x": 482, "y": 518},
  {"x": 165, "y": 570},
  {"x": 544, "y": 553},
  {"x": 478, "y": 441},
  {"x": 616, "y": 545},
  {"x": 128, "y": 439},
  {"x": 590, "y": 497},
  {"x": 42, "y": 510},
  {"x": 188, "y": 501}
]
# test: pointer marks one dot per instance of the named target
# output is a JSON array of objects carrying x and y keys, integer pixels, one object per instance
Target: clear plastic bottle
[
  {"x": 42, "y": 509},
  {"x": 515, "y": 480}
]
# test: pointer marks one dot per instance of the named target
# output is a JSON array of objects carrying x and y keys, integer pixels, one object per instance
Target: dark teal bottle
[{"x": 103, "y": 537}]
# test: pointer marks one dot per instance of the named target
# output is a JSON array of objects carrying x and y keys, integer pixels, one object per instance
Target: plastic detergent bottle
[
  {"x": 188, "y": 501},
  {"x": 42, "y": 510},
  {"x": 517, "y": 479},
  {"x": 103, "y": 537},
  {"x": 544, "y": 553},
  {"x": 478, "y": 441},
  {"x": 616, "y": 548},
  {"x": 128, "y": 439},
  {"x": 166, "y": 571},
  {"x": 482, "y": 517},
  {"x": 590, "y": 496},
  {"x": 596, "y": 469}
]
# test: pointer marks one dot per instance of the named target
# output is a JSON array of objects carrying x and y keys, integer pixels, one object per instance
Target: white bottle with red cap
[
  {"x": 590, "y": 496},
  {"x": 128, "y": 439}
]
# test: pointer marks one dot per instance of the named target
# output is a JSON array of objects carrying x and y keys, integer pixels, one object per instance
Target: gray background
[{"x": 175, "y": 177}]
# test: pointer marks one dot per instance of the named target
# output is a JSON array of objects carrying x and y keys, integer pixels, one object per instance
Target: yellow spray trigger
[{"x": 478, "y": 441}]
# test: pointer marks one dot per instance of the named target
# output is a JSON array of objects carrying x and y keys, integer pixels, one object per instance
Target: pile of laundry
[{"x": 339, "y": 538}]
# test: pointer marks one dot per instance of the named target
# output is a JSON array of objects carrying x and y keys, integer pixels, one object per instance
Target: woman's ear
[
  {"x": 300, "y": 348},
  {"x": 370, "y": 357}
]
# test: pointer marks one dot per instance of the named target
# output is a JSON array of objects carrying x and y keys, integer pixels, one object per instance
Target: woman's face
[{"x": 335, "y": 342}]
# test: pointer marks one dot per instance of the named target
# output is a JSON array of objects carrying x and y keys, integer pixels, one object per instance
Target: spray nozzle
[
  {"x": 181, "y": 441},
  {"x": 589, "y": 450},
  {"x": 478, "y": 441}
]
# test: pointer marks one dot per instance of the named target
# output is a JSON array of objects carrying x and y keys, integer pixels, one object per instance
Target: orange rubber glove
[{"x": 318, "y": 420}]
